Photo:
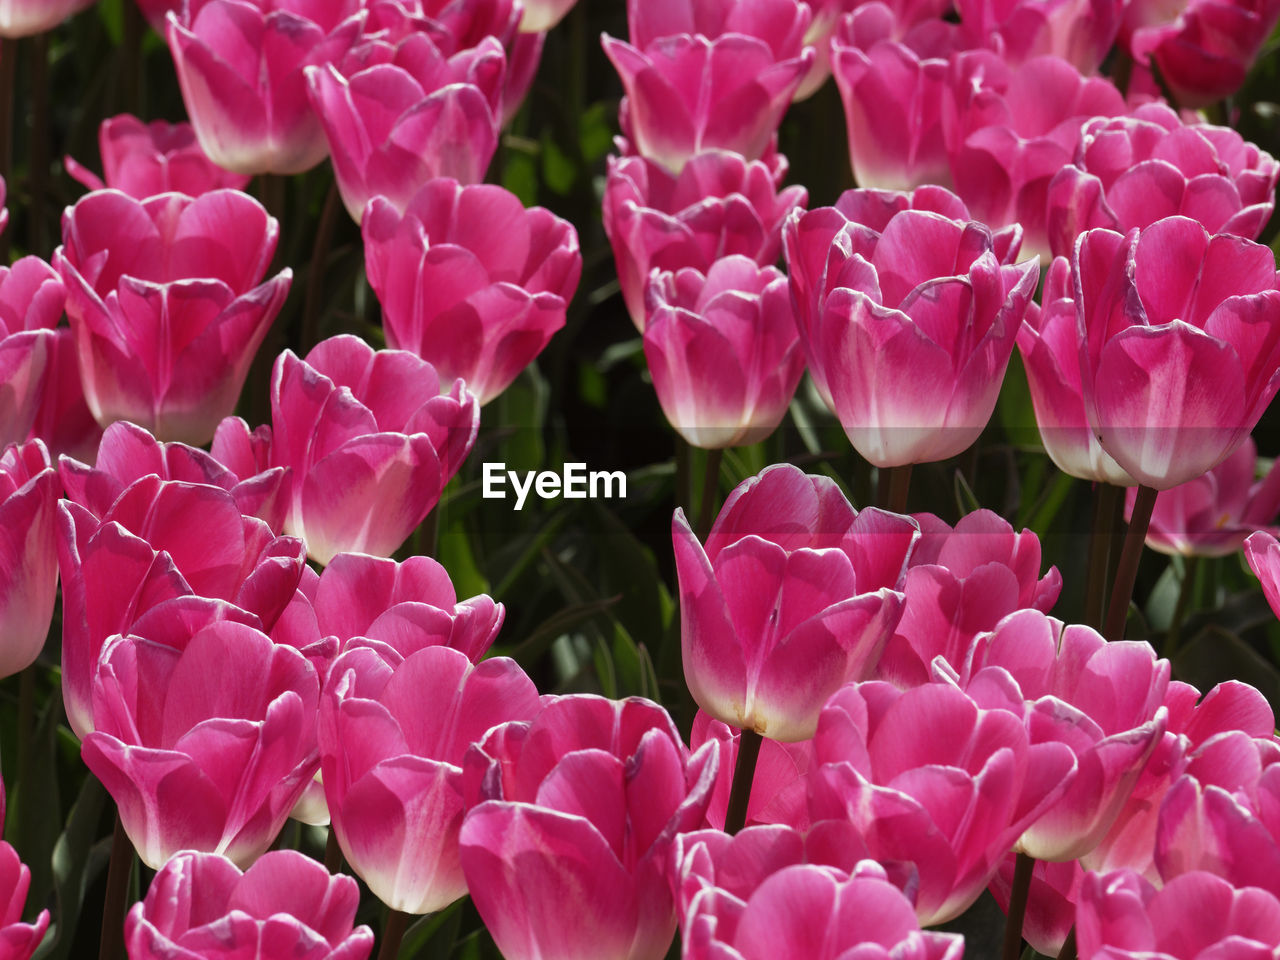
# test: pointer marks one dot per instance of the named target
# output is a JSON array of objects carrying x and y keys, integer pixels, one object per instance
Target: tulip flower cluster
[{"x": 885, "y": 711}]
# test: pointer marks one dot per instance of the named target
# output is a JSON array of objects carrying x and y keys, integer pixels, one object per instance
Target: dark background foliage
[{"x": 589, "y": 586}]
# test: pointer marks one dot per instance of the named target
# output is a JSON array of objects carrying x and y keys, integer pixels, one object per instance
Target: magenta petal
[{"x": 526, "y": 866}]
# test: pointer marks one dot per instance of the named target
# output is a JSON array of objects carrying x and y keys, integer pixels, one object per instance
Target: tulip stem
[
  {"x": 744, "y": 774},
  {"x": 1108, "y": 506},
  {"x": 684, "y": 476},
  {"x": 8, "y": 62},
  {"x": 26, "y": 735},
  {"x": 111, "y": 943},
  {"x": 1187, "y": 589},
  {"x": 896, "y": 483},
  {"x": 315, "y": 274},
  {"x": 392, "y": 933},
  {"x": 1022, "y": 869},
  {"x": 710, "y": 490},
  {"x": 1068, "y": 951},
  {"x": 38, "y": 157},
  {"x": 131, "y": 60},
  {"x": 1127, "y": 572},
  {"x": 333, "y": 853}
]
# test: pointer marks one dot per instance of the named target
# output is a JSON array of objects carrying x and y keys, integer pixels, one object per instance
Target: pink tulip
[
  {"x": 205, "y": 739},
  {"x": 1132, "y": 171},
  {"x": 782, "y": 24},
  {"x": 63, "y": 419},
  {"x": 927, "y": 776},
  {"x": 392, "y": 772},
  {"x": 820, "y": 243},
  {"x": 240, "y": 64},
  {"x": 401, "y": 607},
  {"x": 524, "y": 56},
  {"x": 201, "y": 905},
  {"x": 541, "y": 15},
  {"x": 1050, "y": 347},
  {"x": 1212, "y": 515},
  {"x": 688, "y": 93},
  {"x": 1102, "y": 700},
  {"x": 31, "y": 300},
  {"x": 18, "y": 940},
  {"x": 145, "y": 159},
  {"x": 1014, "y": 129},
  {"x": 469, "y": 280},
  {"x": 4, "y": 211},
  {"x": 723, "y": 351},
  {"x": 157, "y": 10},
  {"x": 1211, "y": 327},
  {"x": 1194, "y": 917},
  {"x": 29, "y": 491},
  {"x": 158, "y": 544},
  {"x": 793, "y": 595},
  {"x": 1202, "y": 48},
  {"x": 961, "y": 583},
  {"x": 712, "y": 864},
  {"x": 1262, "y": 551},
  {"x": 465, "y": 24},
  {"x": 1230, "y": 827},
  {"x": 128, "y": 453},
  {"x": 567, "y": 855},
  {"x": 780, "y": 785},
  {"x": 1080, "y": 32},
  {"x": 1220, "y": 739},
  {"x": 815, "y": 913},
  {"x": 718, "y": 205},
  {"x": 1051, "y": 901},
  {"x": 893, "y": 93},
  {"x": 371, "y": 442},
  {"x": 910, "y": 349},
  {"x": 166, "y": 304},
  {"x": 407, "y": 111},
  {"x": 25, "y": 18}
]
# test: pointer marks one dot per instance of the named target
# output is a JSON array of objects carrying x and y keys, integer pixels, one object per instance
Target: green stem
[
  {"x": 1122, "y": 69},
  {"x": 1186, "y": 591},
  {"x": 392, "y": 933},
  {"x": 1022, "y": 870},
  {"x": 744, "y": 774},
  {"x": 315, "y": 273},
  {"x": 1068, "y": 951},
  {"x": 26, "y": 726},
  {"x": 710, "y": 488},
  {"x": 111, "y": 942},
  {"x": 1108, "y": 503},
  {"x": 429, "y": 533},
  {"x": 131, "y": 60},
  {"x": 899, "y": 486},
  {"x": 333, "y": 853},
  {"x": 1127, "y": 572},
  {"x": 684, "y": 477},
  {"x": 38, "y": 155},
  {"x": 8, "y": 64}
]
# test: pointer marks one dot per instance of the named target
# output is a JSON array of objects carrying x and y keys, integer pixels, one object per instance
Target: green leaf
[
  {"x": 435, "y": 934},
  {"x": 595, "y": 130},
  {"x": 521, "y": 411},
  {"x": 77, "y": 861},
  {"x": 520, "y": 175},
  {"x": 966, "y": 501},
  {"x": 34, "y": 808},
  {"x": 1215, "y": 654},
  {"x": 558, "y": 169},
  {"x": 556, "y": 625},
  {"x": 111, "y": 14}
]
